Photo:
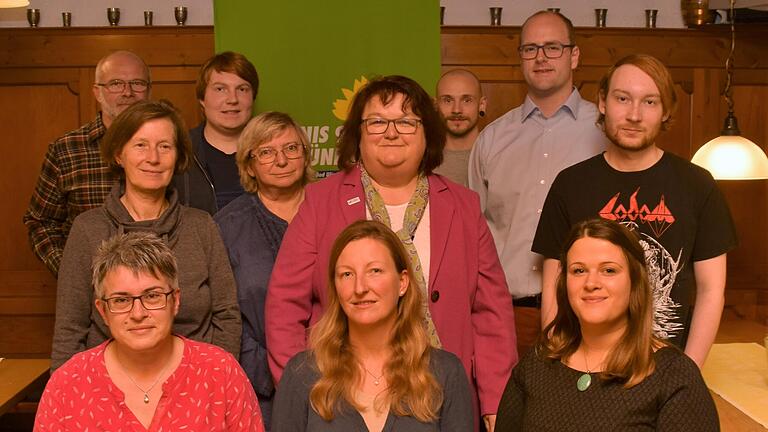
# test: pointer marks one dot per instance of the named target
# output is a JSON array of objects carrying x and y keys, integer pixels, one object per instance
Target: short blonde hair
[{"x": 261, "y": 129}]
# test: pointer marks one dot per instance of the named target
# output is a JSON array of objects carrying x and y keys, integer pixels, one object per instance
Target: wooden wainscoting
[
  {"x": 46, "y": 77},
  {"x": 696, "y": 60}
]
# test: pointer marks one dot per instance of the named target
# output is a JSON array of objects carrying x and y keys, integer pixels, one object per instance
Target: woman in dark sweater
[
  {"x": 600, "y": 368},
  {"x": 272, "y": 159}
]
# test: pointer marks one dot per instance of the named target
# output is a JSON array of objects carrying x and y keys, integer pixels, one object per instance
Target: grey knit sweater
[{"x": 208, "y": 311}]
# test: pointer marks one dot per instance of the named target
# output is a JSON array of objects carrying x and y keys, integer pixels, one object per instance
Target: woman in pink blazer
[{"x": 391, "y": 141}]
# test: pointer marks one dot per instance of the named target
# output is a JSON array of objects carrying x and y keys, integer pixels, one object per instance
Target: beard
[
  {"x": 647, "y": 140},
  {"x": 461, "y": 131}
]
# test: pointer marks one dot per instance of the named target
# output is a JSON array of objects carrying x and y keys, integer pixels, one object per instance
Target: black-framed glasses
[
  {"x": 267, "y": 155},
  {"x": 552, "y": 50},
  {"x": 118, "y": 86},
  {"x": 378, "y": 126},
  {"x": 151, "y": 300}
]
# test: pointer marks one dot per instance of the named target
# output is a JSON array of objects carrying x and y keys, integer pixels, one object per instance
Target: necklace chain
[
  {"x": 585, "y": 380},
  {"x": 376, "y": 379},
  {"x": 146, "y": 392},
  {"x": 135, "y": 215},
  {"x": 586, "y": 363}
]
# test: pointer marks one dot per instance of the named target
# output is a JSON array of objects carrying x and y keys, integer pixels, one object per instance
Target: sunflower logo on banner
[
  {"x": 313, "y": 56},
  {"x": 341, "y": 106}
]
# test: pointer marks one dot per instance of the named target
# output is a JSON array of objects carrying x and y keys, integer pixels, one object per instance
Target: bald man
[
  {"x": 74, "y": 178},
  {"x": 461, "y": 103},
  {"x": 516, "y": 158}
]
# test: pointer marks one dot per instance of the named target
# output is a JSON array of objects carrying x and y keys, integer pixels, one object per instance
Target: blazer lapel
[{"x": 440, "y": 218}]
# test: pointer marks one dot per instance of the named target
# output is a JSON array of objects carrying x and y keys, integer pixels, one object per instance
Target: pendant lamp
[
  {"x": 13, "y": 3},
  {"x": 731, "y": 156}
]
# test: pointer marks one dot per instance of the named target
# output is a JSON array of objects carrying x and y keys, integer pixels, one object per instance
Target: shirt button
[
  {"x": 435, "y": 296},
  {"x": 541, "y": 181},
  {"x": 546, "y": 154},
  {"x": 538, "y": 211},
  {"x": 534, "y": 268}
]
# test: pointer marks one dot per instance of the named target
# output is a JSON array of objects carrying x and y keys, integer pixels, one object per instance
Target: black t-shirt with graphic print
[{"x": 675, "y": 207}]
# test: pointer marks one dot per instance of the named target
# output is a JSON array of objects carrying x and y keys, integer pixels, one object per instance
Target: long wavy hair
[
  {"x": 631, "y": 360},
  {"x": 413, "y": 389}
]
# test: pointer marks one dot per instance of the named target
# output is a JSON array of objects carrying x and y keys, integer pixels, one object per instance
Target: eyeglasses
[
  {"x": 118, "y": 86},
  {"x": 378, "y": 126},
  {"x": 551, "y": 50},
  {"x": 149, "y": 300},
  {"x": 267, "y": 155}
]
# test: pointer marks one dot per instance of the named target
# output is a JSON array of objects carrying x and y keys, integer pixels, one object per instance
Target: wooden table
[
  {"x": 18, "y": 377},
  {"x": 735, "y": 331}
]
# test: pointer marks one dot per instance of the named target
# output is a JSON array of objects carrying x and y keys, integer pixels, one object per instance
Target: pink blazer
[{"x": 468, "y": 295}]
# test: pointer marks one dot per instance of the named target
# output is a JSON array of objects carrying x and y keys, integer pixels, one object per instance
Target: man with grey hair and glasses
[
  {"x": 73, "y": 177},
  {"x": 145, "y": 376},
  {"x": 516, "y": 158}
]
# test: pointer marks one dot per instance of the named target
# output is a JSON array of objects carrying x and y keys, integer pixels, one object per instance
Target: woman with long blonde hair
[{"x": 370, "y": 365}]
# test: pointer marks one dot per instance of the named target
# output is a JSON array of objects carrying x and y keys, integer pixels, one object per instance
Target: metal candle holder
[
  {"x": 113, "y": 16},
  {"x": 495, "y": 16},
  {"x": 600, "y": 16},
  {"x": 33, "y": 17},
  {"x": 180, "y": 13}
]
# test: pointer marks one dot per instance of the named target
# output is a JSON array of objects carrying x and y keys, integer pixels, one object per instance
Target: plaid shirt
[{"x": 73, "y": 179}]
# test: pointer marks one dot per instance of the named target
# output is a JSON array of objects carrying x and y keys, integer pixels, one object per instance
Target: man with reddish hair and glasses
[
  {"x": 673, "y": 205},
  {"x": 517, "y": 156},
  {"x": 74, "y": 178}
]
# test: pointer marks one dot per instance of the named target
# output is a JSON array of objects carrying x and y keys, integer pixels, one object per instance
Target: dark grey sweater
[
  {"x": 293, "y": 413},
  {"x": 541, "y": 395},
  {"x": 208, "y": 311}
]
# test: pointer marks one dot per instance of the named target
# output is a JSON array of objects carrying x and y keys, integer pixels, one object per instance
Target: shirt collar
[{"x": 571, "y": 106}]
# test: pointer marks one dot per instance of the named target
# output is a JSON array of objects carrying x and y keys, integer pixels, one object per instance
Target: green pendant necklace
[{"x": 585, "y": 380}]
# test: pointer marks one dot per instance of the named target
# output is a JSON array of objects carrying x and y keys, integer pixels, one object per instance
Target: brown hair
[
  {"x": 125, "y": 126},
  {"x": 567, "y": 22},
  {"x": 261, "y": 129},
  {"x": 415, "y": 98},
  {"x": 631, "y": 360},
  {"x": 658, "y": 73},
  {"x": 413, "y": 389},
  {"x": 231, "y": 62}
]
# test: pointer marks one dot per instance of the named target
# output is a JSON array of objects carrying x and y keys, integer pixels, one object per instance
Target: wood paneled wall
[
  {"x": 696, "y": 60},
  {"x": 46, "y": 77}
]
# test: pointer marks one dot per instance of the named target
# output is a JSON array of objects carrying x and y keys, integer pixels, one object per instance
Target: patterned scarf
[{"x": 413, "y": 213}]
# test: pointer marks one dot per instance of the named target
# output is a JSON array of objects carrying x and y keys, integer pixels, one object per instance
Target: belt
[{"x": 533, "y": 301}]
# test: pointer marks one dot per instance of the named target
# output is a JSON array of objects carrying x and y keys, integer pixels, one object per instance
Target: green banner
[{"x": 313, "y": 55}]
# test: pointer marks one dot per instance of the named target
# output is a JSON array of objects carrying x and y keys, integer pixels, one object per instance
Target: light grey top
[
  {"x": 513, "y": 163},
  {"x": 292, "y": 411},
  {"x": 454, "y": 166}
]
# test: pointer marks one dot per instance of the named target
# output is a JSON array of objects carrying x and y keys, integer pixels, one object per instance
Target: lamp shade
[
  {"x": 732, "y": 157},
  {"x": 13, "y": 3}
]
